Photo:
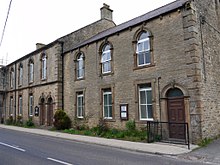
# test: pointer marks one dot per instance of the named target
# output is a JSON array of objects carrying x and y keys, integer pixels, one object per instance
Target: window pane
[
  {"x": 110, "y": 99},
  {"x": 140, "y": 59},
  {"x": 149, "y": 97},
  {"x": 144, "y": 35},
  {"x": 143, "y": 112},
  {"x": 105, "y": 111},
  {"x": 150, "y": 111},
  {"x": 139, "y": 47},
  {"x": 147, "y": 57},
  {"x": 105, "y": 99},
  {"x": 108, "y": 55},
  {"x": 142, "y": 97},
  {"x": 104, "y": 57},
  {"x": 110, "y": 111}
]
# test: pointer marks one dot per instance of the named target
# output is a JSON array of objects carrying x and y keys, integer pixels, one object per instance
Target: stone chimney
[
  {"x": 39, "y": 45},
  {"x": 106, "y": 12}
]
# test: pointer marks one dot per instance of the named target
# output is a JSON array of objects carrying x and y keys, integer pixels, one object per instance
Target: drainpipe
[
  {"x": 202, "y": 20},
  {"x": 62, "y": 56},
  {"x": 15, "y": 89},
  {"x": 158, "y": 81}
]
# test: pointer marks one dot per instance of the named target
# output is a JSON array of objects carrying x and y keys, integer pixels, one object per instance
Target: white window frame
[
  {"x": 80, "y": 66},
  {"x": 143, "y": 51},
  {"x": 107, "y": 60},
  {"x": 31, "y": 72},
  {"x": 108, "y": 105},
  {"x": 80, "y": 108},
  {"x": 20, "y": 110},
  {"x": 44, "y": 67},
  {"x": 11, "y": 106},
  {"x": 31, "y": 105},
  {"x": 145, "y": 89}
]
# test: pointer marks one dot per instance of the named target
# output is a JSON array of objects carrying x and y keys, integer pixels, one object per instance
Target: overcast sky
[{"x": 43, "y": 21}]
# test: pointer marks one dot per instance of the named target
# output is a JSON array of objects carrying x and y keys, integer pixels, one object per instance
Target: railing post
[{"x": 188, "y": 135}]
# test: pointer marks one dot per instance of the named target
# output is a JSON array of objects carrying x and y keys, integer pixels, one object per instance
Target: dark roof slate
[{"x": 150, "y": 15}]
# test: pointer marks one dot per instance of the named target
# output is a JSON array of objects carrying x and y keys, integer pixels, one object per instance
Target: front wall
[
  {"x": 50, "y": 87},
  {"x": 168, "y": 53}
]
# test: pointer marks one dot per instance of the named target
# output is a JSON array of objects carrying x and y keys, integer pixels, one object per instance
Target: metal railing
[{"x": 162, "y": 131}]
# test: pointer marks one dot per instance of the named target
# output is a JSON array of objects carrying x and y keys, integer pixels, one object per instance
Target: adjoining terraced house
[{"x": 161, "y": 66}]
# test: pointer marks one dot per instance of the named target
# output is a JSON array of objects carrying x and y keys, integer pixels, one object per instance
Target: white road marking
[
  {"x": 59, "y": 161},
  {"x": 7, "y": 145}
]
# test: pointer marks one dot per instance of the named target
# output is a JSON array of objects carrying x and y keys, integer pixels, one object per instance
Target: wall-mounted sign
[
  {"x": 36, "y": 111},
  {"x": 124, "y": 111}
]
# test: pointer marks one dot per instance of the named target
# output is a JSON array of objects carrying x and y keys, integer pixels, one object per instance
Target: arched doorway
[
  {"x": 50, "y": 111},
  {"x": 42, "y": 111},
  {"x": 176, "y": 113}
]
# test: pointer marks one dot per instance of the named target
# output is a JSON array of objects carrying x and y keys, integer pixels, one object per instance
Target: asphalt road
[{"x": 19, "y": 148}]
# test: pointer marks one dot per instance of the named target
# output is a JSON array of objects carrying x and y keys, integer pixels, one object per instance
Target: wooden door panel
[{"x": 176, "y": 114}]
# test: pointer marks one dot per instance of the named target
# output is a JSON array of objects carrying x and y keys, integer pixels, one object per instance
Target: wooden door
[
  {"x": 42, "y": 114},
  {"x": 176, "y": 114}
]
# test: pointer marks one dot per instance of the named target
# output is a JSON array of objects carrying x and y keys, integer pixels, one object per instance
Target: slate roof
[{"x": 146, "y": 17}]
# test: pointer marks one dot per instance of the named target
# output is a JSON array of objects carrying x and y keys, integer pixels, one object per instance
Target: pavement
[{"x": 154, "y": 148}]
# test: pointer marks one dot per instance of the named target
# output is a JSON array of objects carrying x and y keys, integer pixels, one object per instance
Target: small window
[
  {"x": 31, "y": 105},
  {"x": 143, "y": 50},
  {"x": 12, "y": 76},
  {"x": 20, "y": 80},
  {"x": 145, "y": 102},
  {"x": 44, "y": 67},
  {"x": 107, "y": 104},
  {"x": 80, "y": 105},
  {"x": 31, "y": 71},
  {"x": 80, "y": 66},
  {"x": 106, "y": 59},
  {"x": 11, "y": 106},
  {"x": 20, "y": 110}
]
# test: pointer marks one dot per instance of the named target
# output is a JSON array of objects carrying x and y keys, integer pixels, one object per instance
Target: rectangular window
[
  {"x": 80, "y": 106},
  {"x": 20, "y": 75},
  {"x": 107, "y": 104},
  {"x": 145, "y": 102},
  {"x": 31, "y": 72},
  {"x": 12, "y": 79},
  {"x": 44, "y": 68},
  {"x": 11, "y": 106},
  {"x": 31, "y": 104},
  {"x": 20, "y": 110}
]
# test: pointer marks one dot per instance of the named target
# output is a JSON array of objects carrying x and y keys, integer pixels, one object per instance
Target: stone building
[{"x": 161, "y": 66}]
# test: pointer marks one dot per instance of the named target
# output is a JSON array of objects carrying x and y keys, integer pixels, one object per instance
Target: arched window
[
  {"x": 106, "y": 59},
  {"x": 143, "y": 49},
  {"x": 80, "y": 66},
  {"x": 174, "y": 92},
  {"x": 44, "y": 67},
  {"x": 12, "y": 76},
  {"x": 31, "y": 71},
  {"x": 20, "y": 80}
]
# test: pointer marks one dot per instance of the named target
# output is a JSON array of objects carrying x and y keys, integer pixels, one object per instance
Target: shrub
[
  {"x": 10, "y": 120},
  {"x": 61, "y": 120},
  {"x": 130, "y": 125},
  {"x": 19, "y": 121},
  {"x": 29, "y": 122}
]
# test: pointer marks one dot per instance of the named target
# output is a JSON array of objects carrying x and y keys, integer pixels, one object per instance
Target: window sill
[
  {"x": 109, "y": 120},
  {"x": 144, "y": 66},
  {"x": 43, "y": 79},
  {"x": 144, "y": 121},
  {"x": 106, "y": 74},
  {"x": 79, "y": 79}
]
